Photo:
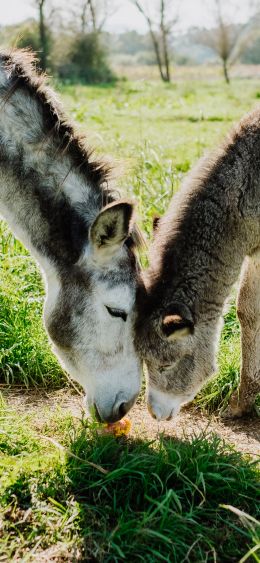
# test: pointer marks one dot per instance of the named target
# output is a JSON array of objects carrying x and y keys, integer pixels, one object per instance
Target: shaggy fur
[{"x": 211, "y": 229}]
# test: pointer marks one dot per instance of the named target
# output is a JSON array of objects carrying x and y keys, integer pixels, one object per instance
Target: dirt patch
[{"x": 244, "y": 435}]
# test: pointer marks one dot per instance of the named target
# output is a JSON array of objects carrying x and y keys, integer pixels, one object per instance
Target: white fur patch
[
  {"x": 52, "y": 283},
  {"x": 73, "y": 187},
  {"x": 162, "y": 405}
]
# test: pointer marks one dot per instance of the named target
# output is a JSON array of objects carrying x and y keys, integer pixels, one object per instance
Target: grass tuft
[
  {"x": 165, "y": 500},
  {"x": 25, "y": 355}
]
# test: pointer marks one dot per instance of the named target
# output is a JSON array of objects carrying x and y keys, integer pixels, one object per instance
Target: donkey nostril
[{"x": 123, "y": 409}]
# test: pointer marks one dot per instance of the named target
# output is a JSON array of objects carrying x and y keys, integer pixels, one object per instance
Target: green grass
[
  {"x": 159, "y": 131},
  {"x": 165, "y": 500},
  {"x": 25, "y": 355},
  {"x": 156, "y": 132},
  {"x": 176, "y": 501}
]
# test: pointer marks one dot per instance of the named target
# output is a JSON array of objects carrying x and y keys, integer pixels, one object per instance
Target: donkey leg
[{"x": 248, "y": 310}]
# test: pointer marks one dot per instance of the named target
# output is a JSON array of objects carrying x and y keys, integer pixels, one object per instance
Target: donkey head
[
  {"x": 90, "y": 314},
  {"x": 179, "y": 354}
]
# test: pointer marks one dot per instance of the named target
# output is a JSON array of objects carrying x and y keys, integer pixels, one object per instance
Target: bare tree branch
[
  {"x": 93, "y": 14},
  {"x": 160, "y": 29},
  {"x": 153, "y": 37},
  {"x": 92, "y": 8},
  {"x": 164, "y": 33},
  {"x": 40, "y": 4},
  {"x": 226, "y": 39}
]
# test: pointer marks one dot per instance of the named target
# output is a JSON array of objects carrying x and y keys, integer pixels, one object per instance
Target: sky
[{"x": 126, "y": 17}]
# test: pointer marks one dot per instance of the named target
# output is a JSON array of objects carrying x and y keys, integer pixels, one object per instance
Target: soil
[{"x": 243, "y": 434}]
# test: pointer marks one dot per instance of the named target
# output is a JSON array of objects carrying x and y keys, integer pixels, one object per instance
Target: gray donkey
[
  {"x": 55, "y": 198},
  {"x": 210, "y": 232}
]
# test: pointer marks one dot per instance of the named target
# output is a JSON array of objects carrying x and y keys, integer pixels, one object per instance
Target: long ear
[
  {"x": 110, "y": 229},
  {"x": 177, "y": 322}
]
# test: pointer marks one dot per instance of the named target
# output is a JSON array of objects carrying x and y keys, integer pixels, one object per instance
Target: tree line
[
  {"x": 72, "y": 43},
  {"x": 69, "y": 42}
]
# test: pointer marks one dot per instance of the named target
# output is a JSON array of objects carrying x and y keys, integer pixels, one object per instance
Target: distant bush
[
  {"x": 146, "y": 58},
  {"x": 26, "y": 35},
  {"x": 86, "y": 61},
  {"x": 29, "y": 36},
  {"x": 252, "y": 53}
]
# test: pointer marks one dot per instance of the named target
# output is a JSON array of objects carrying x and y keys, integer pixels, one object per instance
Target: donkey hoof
[{"x": 237, "y": 410}]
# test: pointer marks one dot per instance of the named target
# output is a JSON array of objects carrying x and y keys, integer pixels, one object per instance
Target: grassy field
[
  {"x": 159, "y": 501},
  {"x": 154, "y": 133},
  {"x": 148, "y": 501}
]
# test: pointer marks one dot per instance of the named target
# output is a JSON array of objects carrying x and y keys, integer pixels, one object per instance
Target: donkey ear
[
  {"x": 110, "y": 228},
  {"x": 177, "y": 322}
]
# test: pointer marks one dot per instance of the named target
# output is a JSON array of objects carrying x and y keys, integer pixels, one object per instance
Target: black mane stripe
[{"x": 21, "y": 65}]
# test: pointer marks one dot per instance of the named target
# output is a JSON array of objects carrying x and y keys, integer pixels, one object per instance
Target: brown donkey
[{"x": 210, "y": 232}]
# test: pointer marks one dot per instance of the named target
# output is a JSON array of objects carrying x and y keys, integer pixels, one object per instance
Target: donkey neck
[
  {"x": 201, "y": 243},
  {"x": 50, "y": 190}
]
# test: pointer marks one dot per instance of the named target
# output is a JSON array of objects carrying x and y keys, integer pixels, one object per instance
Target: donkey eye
[{"x": 117, "y": 313}]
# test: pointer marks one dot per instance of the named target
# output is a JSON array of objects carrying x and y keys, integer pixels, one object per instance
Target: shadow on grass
[
  {"x": 160, "y": 500},
  {"x": 151, "y": 501}
]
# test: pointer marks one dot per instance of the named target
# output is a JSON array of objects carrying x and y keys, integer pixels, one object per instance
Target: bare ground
[{"x": 243, "y": 434}]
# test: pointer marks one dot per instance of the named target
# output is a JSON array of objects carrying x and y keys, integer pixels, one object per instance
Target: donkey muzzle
[{"x": 118, "y": 411}]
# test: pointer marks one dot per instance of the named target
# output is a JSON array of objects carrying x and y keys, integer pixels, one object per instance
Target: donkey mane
[
  {"x": 21, "y": 65},
  {"x": 23, "y": 74},
  {"x": 227, "y": 165}
]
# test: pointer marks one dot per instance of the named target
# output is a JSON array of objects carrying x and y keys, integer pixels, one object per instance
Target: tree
[
  {"x": 44, "y": 34},
  {"x": 228, "y": 39},
  {"x": 94, "y": 14},
  {"x": 28, "y": 36},
  {"x": 160, "y": 27},
  {"x": 86, "y": 59}
]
